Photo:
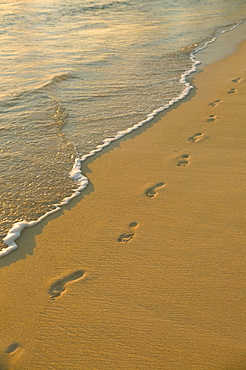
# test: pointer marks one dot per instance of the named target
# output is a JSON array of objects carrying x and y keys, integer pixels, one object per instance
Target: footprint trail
[
  {"x": 60, "y": 286},
  {"x": 126, "y": 237}
]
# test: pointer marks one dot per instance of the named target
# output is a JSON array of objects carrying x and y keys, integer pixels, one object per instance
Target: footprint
[
  {"x": 236, "y": 80},
  {"x": 214, "y": 103},
  {"x": 196, "y": 137},
  {"x": 151, "y": 192},
  {"x": 126, "y": 237},
  {"x": 12, "y": 348},
  {"x": 6, "y": 356},
  {"x": 232, "y": 91},
  {"x": 211, "y": 118},
  {"x": 184, "y": 160},
  {"x": 59, "y": 286}
]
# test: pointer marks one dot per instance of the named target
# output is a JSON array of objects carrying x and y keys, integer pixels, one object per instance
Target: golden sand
[{"x": 146, "y": 270}]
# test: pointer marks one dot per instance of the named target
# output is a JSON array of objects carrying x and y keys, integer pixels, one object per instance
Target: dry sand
[{"x": 147, "y": 269}]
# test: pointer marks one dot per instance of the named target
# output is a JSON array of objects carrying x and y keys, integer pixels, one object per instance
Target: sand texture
[{"x": 146, "y": 269}]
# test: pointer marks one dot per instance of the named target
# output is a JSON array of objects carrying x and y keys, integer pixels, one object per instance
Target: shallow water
[{"x": 76, "y": 73}]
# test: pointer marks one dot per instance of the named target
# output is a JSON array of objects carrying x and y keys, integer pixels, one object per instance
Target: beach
[{"x": 146, "y": 268}]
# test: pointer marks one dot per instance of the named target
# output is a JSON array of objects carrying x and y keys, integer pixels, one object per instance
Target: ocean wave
[
  {"x": 76, "y": 172},
  {"x": 16, "y": 100},
  {"x": 112, "y": 4},
  {"x": 58, "y": 79}
]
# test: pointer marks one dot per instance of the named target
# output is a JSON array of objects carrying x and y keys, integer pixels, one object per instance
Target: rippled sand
[{"x": 147, "y": 270}]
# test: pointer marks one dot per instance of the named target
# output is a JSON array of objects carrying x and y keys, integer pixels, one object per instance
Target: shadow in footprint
[
  {"x": 236, "y": 80},
  {"x": 214, "y": 103},
  {"x": 151, "y": 192},
  {"x": 126, "y": 237},
  {"x": 232, "y": 91},
  {"x": 196, "y": 137},
  {"x": 12, "y": 347},
  {"x": 59, "y": 286},
  {"x": 184, "y": 160},
  {"x": 211, "y": 118}
]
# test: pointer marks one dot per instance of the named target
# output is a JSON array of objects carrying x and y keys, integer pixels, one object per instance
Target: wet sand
[{"x": 146, "y": 270}]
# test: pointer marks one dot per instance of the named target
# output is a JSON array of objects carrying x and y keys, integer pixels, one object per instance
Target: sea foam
[{"x": 76, "y": 172}]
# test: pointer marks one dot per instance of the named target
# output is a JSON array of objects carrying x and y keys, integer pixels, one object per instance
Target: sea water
[{"x": 77, "y": 74}]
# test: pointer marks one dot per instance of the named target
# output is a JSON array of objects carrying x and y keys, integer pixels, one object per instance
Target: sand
[{"x": 146, "y": 269}]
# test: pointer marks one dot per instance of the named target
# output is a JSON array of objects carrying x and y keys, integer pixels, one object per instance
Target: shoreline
[
  {"x": 76, "y": 172},
  {"x": 146, "y": 271}
]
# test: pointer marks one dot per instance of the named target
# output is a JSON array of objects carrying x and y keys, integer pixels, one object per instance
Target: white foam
[
  {"x": 76, "y": 173},
  {"x": 16, "y": 230}
]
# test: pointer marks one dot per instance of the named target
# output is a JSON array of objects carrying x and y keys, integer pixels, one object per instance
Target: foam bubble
[{"x": 76, "y": 172}]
